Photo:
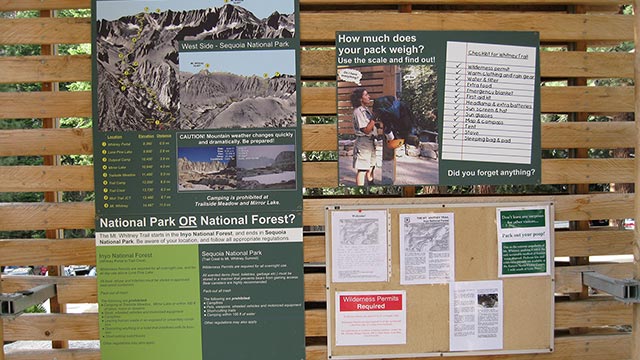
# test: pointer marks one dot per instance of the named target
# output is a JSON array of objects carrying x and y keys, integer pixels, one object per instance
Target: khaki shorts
[{"x": 364, "y": 153}]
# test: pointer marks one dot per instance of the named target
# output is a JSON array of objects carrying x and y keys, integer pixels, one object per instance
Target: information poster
[
  {"x": 371, "y": 318},
  {"x": 476, "y": 314},
  {"x": 197, "y": 145},
  {"x": 470, "y": 273},
  {"x": 360, "y": 247},
  {"x": 524, "y": 236},
  {"x": 427, "y": 248},
  {"x": 450, "y": 108}
]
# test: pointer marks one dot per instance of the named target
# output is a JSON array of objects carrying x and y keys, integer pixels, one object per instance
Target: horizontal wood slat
[
  {"x": 588, "y": 171},
  {"x": 595, "y": 135},
  {"x": 321, "y": 101},
  {"x": 51, "y": 327},
  {"x": 315, "y": 174},
  {"x": 560, "y": 64},
  {"x": 553, "y": 64},
  {"x": 585, "y": 347},
  {"x": 321, "y": 27},
  {"x": 55, "y": 354},
  {"x": 80, "y": 215},
  {"x": 461, "y": 2},
  {"x": 554, "y": 171},
  {"x": 558, "y": 135},
  {"x": 82, "y": 251},
  {"x": 15, "y": 5},
  {"x": 317, "y": 63},
  {"x": 46, "y": 178},
  {"x": 594, "y": 242},
  {"x": 567, "y": 243},
  {"x": 18, "y": 5},
  {"x": 45, "y": 104},
  {"x": 567, "y": 314},
  {"x": 50, "y": 252},
  {"x": 593, "y": 312},
  {"x": 561, "y": 135},
  {"x": 320, "y": 174},
  {"x": 568, "y": 279},
  {"x": 28, "y": 69},
  {"x": 568, "y": 207},
  {"x": 319, "y": 137},
  {"x": 46, "y": 216},
  {"x": 46, "y": 142},
  {"x": 586, "y": 99},
  {"x": 314, "y": 249},
  {"x": 83, "y": 289},
  {"x": 70, "y": 289},
  {"x": 39, "y": 31},
  {"x": 560, "y": 99}
]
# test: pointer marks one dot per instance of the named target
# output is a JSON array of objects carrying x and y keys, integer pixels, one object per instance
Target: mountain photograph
[
  {"x": 224, "y": 100},
  {"x": 138, "y": 63},
  {"x": 207, "y": 168},
  {"x": 266, "y": 167}
]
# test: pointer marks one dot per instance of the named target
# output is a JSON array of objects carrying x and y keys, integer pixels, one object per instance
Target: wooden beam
[
  {"x": 52, "y": 68},
  {"x": 46, "y": 178},
  {"x": 38, "y": 31},
  {"x": 321, "y": 27}
]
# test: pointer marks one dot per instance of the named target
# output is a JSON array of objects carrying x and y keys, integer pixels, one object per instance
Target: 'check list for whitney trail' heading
[{"x": 465, "y": 104}]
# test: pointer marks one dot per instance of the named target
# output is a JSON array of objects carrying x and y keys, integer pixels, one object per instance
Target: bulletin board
[{"x": 481, "y": 253}]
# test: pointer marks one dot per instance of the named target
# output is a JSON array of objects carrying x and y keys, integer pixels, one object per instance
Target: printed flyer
[
  {"x": 359, "y": 250},
  {"x": 197, "y": 150},
  {"x": 427, "y": 253},
  {"x": 438, "y": 107},
  {"x": 524, "y": 239},
  {"x": 476, "y": 315}
]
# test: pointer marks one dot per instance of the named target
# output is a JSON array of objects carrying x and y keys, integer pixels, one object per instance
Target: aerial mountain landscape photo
[
  {"x": 221, "y": 99},
  {"x": 140, "y": 81}
]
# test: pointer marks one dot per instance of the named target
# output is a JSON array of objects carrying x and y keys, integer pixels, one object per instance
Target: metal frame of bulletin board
[{"x": 439, "y": 280}]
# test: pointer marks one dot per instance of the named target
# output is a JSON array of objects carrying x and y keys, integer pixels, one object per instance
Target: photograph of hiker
[{"x": 388, "y": 125}]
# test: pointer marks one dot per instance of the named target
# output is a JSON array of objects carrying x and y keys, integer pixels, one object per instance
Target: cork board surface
[{"x": 527, "y": 299}]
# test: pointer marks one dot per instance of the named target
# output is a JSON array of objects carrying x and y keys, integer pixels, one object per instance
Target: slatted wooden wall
[{"x": 587, "y": 326}]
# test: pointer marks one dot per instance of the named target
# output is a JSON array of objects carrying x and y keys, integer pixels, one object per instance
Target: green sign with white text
[
  {"x": 197, "y": 150},
  {"x": 450, "y": 107},
  {"x": 524, "y": 237}
]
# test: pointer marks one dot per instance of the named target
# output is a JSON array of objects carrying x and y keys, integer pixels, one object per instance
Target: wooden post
[
  {"x": 52, "y": 196},
  {"x": 635, "y": 346},
  {"x": 1, "y": 327},
  {"x": 581, "y": 153}
]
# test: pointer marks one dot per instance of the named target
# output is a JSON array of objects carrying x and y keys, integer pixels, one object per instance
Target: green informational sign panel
[
  {"x": 197, "y": 144},
  {"x": 524, "y": 257},
  {"x": 450, "y": 107},
  {"x": 525, "y": 235}
]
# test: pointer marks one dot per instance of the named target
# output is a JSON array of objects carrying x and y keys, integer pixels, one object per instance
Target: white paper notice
[
  {"x": 524, "y": 239},
  {"x": 489, "y": 102},
  {"x": 476, "y": 315},
  {"x": 426, "y": 248},
  {"x": 359, "y": 246},
  {"x": 371, "y": 318}
]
